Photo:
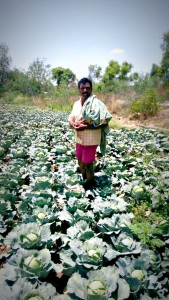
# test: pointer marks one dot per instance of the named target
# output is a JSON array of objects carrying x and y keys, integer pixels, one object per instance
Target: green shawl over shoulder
[{"x": 95, "y": 113}]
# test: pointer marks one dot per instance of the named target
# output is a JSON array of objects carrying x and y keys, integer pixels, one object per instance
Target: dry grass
[
  {"x": 161, "y": 120},
  {"x": 119, "y": 107},
  {"x": 39, "y": 102}
]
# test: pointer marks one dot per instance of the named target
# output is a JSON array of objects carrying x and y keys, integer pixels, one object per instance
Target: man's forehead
[{"x": 85, "y": 84}]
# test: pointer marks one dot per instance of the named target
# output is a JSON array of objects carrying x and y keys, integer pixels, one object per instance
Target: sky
[{"x": 76, "y": 33}]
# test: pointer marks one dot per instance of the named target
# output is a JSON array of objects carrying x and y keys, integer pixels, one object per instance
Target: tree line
[{"x": 41, "y": 79}]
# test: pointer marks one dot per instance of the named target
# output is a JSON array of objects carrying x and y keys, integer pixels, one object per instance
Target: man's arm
[
  {"x": 80, "y": 125},
  {"x": 90, "y": 126}
]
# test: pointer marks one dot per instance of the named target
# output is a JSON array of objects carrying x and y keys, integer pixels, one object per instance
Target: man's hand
[{"x": 78, "y": 125}]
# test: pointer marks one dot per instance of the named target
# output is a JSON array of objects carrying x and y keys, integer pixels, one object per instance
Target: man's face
[{"x": 85, "y": 90}]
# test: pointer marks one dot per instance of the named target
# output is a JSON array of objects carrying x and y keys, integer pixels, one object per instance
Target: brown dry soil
[{"x": 159, "y": 121}]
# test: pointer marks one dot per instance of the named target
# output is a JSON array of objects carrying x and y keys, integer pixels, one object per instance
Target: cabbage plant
[
  {"x": 45, "y": 214},
  {"x": 30, "y": 236},
  {"x": 100, "y": 285},
  {"x": 25, "y": 290},
  {"x": 90, "y": 253},
  {"x": 30, "y": 263},
  {"x": 140, "y": 192},
  {"x": 140, "y": 275},
  {"x": 82, "y": 256},
  {"x": 108, "y": 207},
  {"x": 117, "y": 223},
  {"x": 135, "y": 272},
  {"x": 124, "y": 244},
  {"x": 74, "y": 203},
  {"x": 19, "y": 152},
  {"x": 80, "y": 230}
]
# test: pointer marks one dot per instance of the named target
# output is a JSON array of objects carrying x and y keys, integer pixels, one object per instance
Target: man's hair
[{"x": 83, "y": 81}]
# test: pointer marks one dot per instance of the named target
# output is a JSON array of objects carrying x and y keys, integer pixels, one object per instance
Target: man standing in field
[{"x": 89, "y": 118}]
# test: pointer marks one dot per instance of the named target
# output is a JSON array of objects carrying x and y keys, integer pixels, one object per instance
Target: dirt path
[{"x": 160, "y": 121}]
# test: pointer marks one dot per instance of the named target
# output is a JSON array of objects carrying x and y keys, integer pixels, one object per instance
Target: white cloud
[{"x": 117, "y": 51}]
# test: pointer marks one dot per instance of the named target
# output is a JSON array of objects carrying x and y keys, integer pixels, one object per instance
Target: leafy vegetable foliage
[{"x": 59, "y": 241}]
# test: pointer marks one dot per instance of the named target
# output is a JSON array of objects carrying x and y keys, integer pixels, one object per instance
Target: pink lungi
[{"x": 86, "y": 153}]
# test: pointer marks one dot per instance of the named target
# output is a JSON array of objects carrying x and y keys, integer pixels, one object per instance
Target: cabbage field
[{"x": 59, "y": 241}]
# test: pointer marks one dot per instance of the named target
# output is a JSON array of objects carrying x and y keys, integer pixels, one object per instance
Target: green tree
[
  {"x": 63, "y": 75},
  {"x": 112, "y": 71},
  {"x": 94, "y": 72},
  {"x": 165, "y": 57},
  {"x": 125, "y": 70},
  {"x": 156, "y": 75},
  {"x": 18, "y": 82},
  {"x": 39, "y": 75},
  {"x": 5, "y": 62},
  {"x": 156, "y": 71},
  {"x": 116, "y": 76},
  {"x": 145, "y": 83},
  {"x": 109, "y": 77},
  {"x": 134, "y": 76}
]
